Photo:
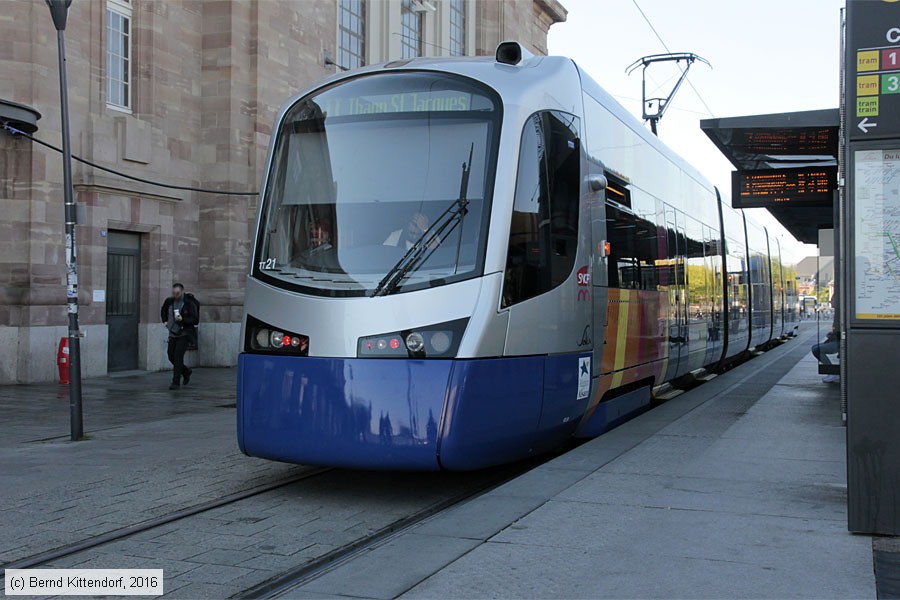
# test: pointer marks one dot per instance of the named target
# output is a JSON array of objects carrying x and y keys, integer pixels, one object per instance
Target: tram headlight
[
  {"x": 277, "y": 339},
  {"x": 263, "y": 338},
  {"x": 435, "y": 341},
  {"x": 415, "y": 343}
]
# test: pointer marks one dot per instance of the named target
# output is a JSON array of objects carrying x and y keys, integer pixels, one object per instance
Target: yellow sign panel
[
  {"x": 878, "y": 316},
  {"x": 867, "y": 107},
  {"x": 867, "y": 85},
  {"x": 867, "y": 60}
]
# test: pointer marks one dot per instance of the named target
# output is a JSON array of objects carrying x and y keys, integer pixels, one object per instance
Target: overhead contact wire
[
  {"x": 661, "y": 41},
  {"x": 17, "y": 132}
]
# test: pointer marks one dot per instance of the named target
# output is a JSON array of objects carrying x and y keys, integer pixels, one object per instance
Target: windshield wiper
[
  {"x": 463, "y": 206},
  {"x": 422, "y": 249}
]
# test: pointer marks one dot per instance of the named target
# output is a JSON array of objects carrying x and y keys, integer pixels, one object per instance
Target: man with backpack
[{"x": 180, "y": 313}]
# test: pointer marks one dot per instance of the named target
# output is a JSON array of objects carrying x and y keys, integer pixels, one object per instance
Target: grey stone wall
[{"x": 526, "y": 22}]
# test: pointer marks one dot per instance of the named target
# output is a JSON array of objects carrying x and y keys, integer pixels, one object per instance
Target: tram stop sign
[
  {"x": 871, "y": 237},
  {"x": 873, "y": 69}
]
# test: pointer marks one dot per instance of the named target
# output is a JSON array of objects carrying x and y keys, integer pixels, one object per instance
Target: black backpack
[
  {"x": 193, "y": 298},
  {"x": 193, "y": 335}
]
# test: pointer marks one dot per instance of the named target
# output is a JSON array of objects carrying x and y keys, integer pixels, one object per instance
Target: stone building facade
[{"x": 182, "y": 92}]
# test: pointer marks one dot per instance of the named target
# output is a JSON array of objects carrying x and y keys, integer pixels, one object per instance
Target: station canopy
[{"x": 786, "y": 163}]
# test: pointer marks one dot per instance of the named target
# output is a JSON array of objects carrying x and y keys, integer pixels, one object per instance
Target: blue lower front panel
[
  {"x": 405, "y": 414},
  {"x": 354, "y": 412},
  {"x": 493, "y": 412}
]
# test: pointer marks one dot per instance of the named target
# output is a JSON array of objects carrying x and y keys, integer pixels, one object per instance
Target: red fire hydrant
[{"x": 62, "y": 360}]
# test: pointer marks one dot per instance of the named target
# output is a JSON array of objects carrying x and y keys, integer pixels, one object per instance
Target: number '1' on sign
[{"x": 890, "y": 58}]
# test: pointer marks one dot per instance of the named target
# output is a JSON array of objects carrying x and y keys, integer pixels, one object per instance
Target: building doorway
[{"x": 123, "y": 302}]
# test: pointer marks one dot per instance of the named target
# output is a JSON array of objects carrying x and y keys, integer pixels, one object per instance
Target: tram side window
[
  {"x": 632, "y": 258},
  {"x": 543, "y": 238},
  {"x": 698, "y": 279},
  {"x": 617, "y": 192}
]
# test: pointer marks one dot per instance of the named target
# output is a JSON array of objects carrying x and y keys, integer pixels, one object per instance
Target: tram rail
[
  {"x": 67, "y": 550},
  {"x": 282, "y": 585}
]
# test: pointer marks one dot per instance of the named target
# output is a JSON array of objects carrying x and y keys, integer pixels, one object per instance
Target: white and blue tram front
[{"x": 377, "y": 324}]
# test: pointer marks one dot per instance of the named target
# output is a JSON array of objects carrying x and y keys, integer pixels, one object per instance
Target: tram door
[
  {"x": 123, "y": 284},
  {"x": 677, "y": 322},
  {"x": 599, "y": 277}
]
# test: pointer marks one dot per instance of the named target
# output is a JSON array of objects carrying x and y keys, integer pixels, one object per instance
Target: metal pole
[
  {"x": 59, "y": 12},
  {"x": 841, "y": 226}
]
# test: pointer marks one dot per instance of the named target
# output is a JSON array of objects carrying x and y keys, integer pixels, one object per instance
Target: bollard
[{"x": 62, "y": 360}]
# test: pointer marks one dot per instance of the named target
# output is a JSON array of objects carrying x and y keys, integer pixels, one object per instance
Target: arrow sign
[{"x": 864, "y": 125}]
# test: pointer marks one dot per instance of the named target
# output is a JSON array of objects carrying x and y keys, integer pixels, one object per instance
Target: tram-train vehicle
[{"x": 464, "y": 262}]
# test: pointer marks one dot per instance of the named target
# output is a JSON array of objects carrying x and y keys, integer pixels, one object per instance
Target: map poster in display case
[{"x": 876, "y": 230}]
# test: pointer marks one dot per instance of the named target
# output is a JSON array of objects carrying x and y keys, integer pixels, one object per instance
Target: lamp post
[{"x": 59, "y": 10}]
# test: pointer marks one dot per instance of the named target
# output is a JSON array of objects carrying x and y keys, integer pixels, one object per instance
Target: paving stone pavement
[
  {"x": 227, "y": 550},
  {"x": 40, "y": 411},
  {"x": 150, "y": 452}
]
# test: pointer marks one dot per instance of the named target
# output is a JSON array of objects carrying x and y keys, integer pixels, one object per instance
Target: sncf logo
[{"x": 583, "y": 276}]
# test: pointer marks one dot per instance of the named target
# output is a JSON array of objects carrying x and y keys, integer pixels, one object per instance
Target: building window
[
  {"x": 412, "y": 29},
  {"x": 352, "y": 32},
  {"x": 457, "y": 27},
  {"x": 543, "y": 236},
  {"x": 118, "y": 53}
]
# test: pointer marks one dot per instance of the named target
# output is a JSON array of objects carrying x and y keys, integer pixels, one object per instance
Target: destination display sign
[
  {"x": 781, "y": 187},
  {"x": 873, "y": 69},
  {"x": 438, "y": 101}
]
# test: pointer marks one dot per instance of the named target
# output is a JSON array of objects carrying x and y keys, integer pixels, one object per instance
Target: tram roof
[{"x": 780, "y": 141}]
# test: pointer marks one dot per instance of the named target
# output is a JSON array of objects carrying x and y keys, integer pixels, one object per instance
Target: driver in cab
[{"x": 405, "y": 237}]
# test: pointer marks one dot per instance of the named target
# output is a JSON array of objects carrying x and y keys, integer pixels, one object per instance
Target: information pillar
[{"x": 871, "y": 271}]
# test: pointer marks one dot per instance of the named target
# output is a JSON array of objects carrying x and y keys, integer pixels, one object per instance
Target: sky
[{"x": 767, "y": 56}]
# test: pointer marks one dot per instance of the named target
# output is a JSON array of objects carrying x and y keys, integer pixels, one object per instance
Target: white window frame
[
  {"x": 361, "y": 35},
  {"x": 464, "y": 28},
  {"x": 122, "y": 8},
  {"x": 419, "y": 17}
]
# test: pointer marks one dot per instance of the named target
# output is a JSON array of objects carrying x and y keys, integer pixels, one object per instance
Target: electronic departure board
[
  {"x": 806, "y": 141},
  {"x": 807, "y": 186}
]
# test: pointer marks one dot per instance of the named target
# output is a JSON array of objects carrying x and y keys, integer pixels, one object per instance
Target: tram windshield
[{"x": 364, "y": 169}]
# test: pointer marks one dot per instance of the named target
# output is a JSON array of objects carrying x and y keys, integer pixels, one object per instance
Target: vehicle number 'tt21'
[{"x": 267, "y": 265}]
